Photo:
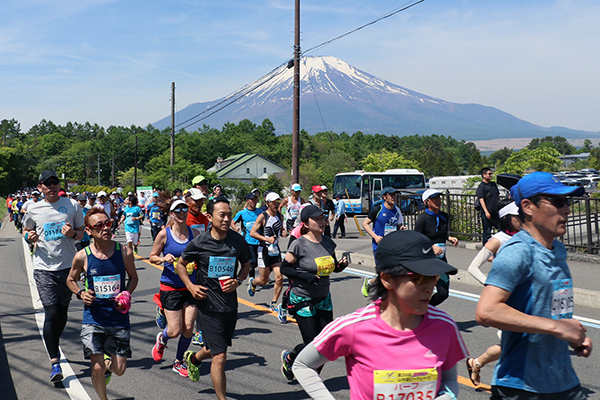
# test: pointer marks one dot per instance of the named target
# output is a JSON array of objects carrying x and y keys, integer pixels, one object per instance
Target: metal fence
[{"x": 583, "y": 226}]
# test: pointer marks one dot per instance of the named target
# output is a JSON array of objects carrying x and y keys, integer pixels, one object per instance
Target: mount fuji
[{"x": 338, "y": 97}]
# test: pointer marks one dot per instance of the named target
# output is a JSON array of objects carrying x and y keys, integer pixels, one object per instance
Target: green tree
[
  {"x": 587, "y": 146},
  {"x": 540, "y": 159},
  {"x": 384, "y": 160},
  {"x": 558, "y": 142},
  {"x": 499, "y": 157}
]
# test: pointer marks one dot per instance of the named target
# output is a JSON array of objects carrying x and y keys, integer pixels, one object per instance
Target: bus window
[{"x": 351, "y": 183}]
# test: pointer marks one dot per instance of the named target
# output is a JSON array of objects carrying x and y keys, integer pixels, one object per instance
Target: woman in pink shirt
[{"x": 399, "y": 346}]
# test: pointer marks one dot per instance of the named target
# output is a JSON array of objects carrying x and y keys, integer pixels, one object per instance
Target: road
[{"x": 253, "y": 366}]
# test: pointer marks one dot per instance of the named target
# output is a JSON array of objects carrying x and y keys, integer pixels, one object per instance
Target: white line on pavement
[{"x": 72, "y": 385}]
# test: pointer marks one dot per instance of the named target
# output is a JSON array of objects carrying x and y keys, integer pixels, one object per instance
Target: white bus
[{"x": 364, "y": 188}]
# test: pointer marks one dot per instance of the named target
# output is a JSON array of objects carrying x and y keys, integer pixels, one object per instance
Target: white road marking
[{"x": 72, "y": 385}]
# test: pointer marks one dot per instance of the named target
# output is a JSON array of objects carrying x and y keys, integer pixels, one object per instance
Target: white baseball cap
[
  {"x": 509, "y": 209},
  {"x": 272, "y": 197},
  {"x": 430, "y": 193},
  {"x": 101, "y": 193},
  {"x": 195, "y": 194}
]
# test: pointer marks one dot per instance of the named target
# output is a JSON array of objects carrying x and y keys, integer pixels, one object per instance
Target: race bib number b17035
[{"x": 405, "y": 385}]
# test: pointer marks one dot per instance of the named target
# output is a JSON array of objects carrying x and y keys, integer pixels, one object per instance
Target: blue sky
[{"x": 112, "y": 62}]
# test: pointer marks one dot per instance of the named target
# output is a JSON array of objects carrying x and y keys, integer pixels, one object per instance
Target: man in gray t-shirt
[{"x": 53, "y": 225}]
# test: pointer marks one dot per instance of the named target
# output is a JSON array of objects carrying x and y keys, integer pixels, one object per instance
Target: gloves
[{"x": 124, "y": 300}]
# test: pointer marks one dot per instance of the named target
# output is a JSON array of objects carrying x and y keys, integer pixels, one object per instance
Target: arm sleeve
[
  {"x": 480, "y": 259},
  {"x": 290, "y": 271},
  {"x": 449, "y": 385},
  {"x": 373, "y": 213},
  {"x": 305, "y": 370}
]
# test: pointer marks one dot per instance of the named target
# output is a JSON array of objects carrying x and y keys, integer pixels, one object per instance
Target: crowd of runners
[{"x": 207, "y": 254}]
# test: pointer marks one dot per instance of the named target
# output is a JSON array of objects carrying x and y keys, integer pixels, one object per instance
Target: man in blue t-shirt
[
  {"x": 132, "y": 215},
  {"x": 155, "y": 216},
  {"x": 246, "y": 219},
  {"x": 529, "y": 295}
]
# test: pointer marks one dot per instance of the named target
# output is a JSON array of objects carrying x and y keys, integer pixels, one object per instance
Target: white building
[{"x": 245, "y": 167}]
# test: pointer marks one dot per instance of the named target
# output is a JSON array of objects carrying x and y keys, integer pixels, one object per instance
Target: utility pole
[
  {"x": 99, "y": 184},
  {"x": 296, "y": 117},
  {"x": 172, "y": 130},
  {"x": 112, "y": 171},
  {"x": 135, "y": 165}
]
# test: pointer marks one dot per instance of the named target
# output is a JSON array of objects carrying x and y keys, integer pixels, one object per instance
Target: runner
[
  {"x": 435, "y": 224},
  {"x": 292, "y": 204},
  {"x": 529, "y": 295},
  {"x": 509, "y": 225},
  {"x": 246, "y": 218},
  {"x": 217, "y": 254},
  {"x": 177, "y": 302},
  {"x": 53, "y": 225},
  {"x": 195, "y": 218},
  {"x": 398, "y": 347},
  {"x": 107, "y": 299},
  {"x": 386, "y": 218},
  {"x": 132, "y": 215},
  {"x": 308, "y": 263},
  {"x": 155, "y": 216},
  {"x": 201, "y": 183},
  {"x": 268, "y": 228},
  {"x": 85, "y": 240}
]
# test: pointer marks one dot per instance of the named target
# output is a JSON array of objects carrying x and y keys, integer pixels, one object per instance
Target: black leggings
[
  {"x": 310, "y": 327},
  {"x": 55, "y": 321}
]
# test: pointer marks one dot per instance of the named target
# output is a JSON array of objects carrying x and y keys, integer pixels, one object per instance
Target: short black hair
[
  {"x": 210, "y": 207},
  {"x": 484, "y": 170}
]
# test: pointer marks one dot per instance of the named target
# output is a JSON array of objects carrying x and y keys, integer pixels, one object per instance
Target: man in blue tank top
[{"x": 106, "y": 298}]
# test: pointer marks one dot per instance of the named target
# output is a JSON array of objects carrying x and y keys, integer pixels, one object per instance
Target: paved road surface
[{"x": 253, "y": 366}]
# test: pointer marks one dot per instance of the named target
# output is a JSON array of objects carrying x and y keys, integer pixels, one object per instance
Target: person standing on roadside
[
  {"x": 435, "y": 224},
  {"x": 110, "y": 278},
  {"x": 488, "y": 197},
  {"x": 328, "y": 210},
  {"x": 217, "y": 254},
  {"x": 529, "y": 296},
  {"x": 340, "y": 215},
  {"x": 54, "y": 224}
]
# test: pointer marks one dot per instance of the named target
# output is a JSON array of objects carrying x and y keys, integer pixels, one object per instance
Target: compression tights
[{"x": 55, "y": 321}]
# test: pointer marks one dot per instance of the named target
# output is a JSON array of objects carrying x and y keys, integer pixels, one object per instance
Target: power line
[{"x": 403, "y": 7}]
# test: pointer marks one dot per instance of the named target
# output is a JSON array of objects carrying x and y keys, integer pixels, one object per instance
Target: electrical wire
[{"x": 403, "y": 7}]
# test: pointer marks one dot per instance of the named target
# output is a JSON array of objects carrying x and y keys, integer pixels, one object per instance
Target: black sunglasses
[
  {"x": 558, "y": 202},
  {"x": 51, "y": 182},
  {"x": 180, "y": 209}
]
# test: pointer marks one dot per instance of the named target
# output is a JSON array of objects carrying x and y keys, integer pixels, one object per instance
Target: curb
[{"x": 583, "y": 297}]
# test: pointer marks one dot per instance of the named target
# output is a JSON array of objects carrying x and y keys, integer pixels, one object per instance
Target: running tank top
[
  {"x": 107, "y": 279},
  {"x": 272, "y": 226},
  {"x": 175, "y": 246},
  {"x": 502, "y": 237},
  {"x": 293, "y": 209}
]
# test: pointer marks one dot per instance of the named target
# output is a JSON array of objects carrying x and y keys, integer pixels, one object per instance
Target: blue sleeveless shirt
[
  {"x": 169, "y": 275},
  {"x": 107, "y": 279}
]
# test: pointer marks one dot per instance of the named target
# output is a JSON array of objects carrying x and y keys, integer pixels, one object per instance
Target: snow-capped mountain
[{"x": 338, "y": 97}]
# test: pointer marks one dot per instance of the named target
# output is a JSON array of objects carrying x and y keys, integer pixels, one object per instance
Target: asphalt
[{"x": 585, "y": 269}]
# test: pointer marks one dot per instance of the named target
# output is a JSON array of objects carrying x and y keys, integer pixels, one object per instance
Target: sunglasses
[
  {"x": 180, "y": 209},
  {"x": 558, "y": 202},
  {"x": 101, "y": 225},
  {"x": 51, "y": 182},
  {"x": 419, "y": 279}
]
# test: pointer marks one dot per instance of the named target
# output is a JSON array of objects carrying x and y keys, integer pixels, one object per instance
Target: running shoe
[
  {"x": 197, "y": 339},
  {"x": 273, "y": 306},
  {"x": 108, "y": 373},
  {"x": 135, "y": 250},
  {"x": 159, "y": 348},
  {"x": 180, "y": 368},
  {"x": 56, "y": 375},
  {"x": 286, "y": 368},
  {"x": 282, "y": 314},
  {"x": 161, "y": 320},
  {"x": 251, "y": 288},
  {"x": 365, "y": 287},
  {"x": 193, "y": 370}
]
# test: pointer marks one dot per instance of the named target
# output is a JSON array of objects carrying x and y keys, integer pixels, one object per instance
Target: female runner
[
  {"x": 399, "y": 346},
  {"x": 509, "y": 225},
  {"x": 177, "y": 302},
  {"x": 309, "y": 261}
]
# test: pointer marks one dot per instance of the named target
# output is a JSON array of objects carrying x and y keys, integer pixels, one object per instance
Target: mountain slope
[{"x": 338, "y": 97}]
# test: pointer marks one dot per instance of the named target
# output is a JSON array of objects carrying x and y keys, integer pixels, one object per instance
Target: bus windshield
[{"x": 351, "y": 183}]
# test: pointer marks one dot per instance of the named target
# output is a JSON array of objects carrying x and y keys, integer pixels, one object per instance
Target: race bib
[
  {"x": 325, "y": 265},
  {"x": 155, "y": 215},
  {"x": 198, "y": 229},
  {"x": 221, "y": 266},
  {"x": 273, "y": 250},
  {"x": 562, "y": 299},
  {"x": 418, "y": 384},
  {"x": 189, "y": 268},
  {"x": 52, "y": 230},
  {"x": 389, "y": 229},
  {"x": 249, "y": 226},
  {"x": 107, "y": 287},
  {"x": 294, "y": 214}
]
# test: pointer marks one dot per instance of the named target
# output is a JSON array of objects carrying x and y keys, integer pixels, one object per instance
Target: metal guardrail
[{"x": 583, "y": 226}]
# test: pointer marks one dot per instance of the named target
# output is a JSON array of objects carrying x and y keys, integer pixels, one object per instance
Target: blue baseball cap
[
  {"x": 296, "y": 187},
  {"x": 388, "y": 190},
  {"x": 542, "y": 183}
]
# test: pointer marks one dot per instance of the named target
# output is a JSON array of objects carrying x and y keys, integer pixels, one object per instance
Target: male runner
[
  {"x": 246, "y": 218},
  {"x": 54, "y": 224},
  {"x": 106, "y": 298},
  {"x": 529, "y": 295},
  {"x": 217, "y": 253}
]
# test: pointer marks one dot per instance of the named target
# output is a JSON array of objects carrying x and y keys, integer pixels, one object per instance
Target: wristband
[
  {"x": 79, "y": 293},
  {"x": 74, "y": 234},
  {"x": 239, "y": 281}
]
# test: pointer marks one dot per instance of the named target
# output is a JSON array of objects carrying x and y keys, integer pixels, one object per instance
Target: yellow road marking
[{"x": 461, "y": 379}]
